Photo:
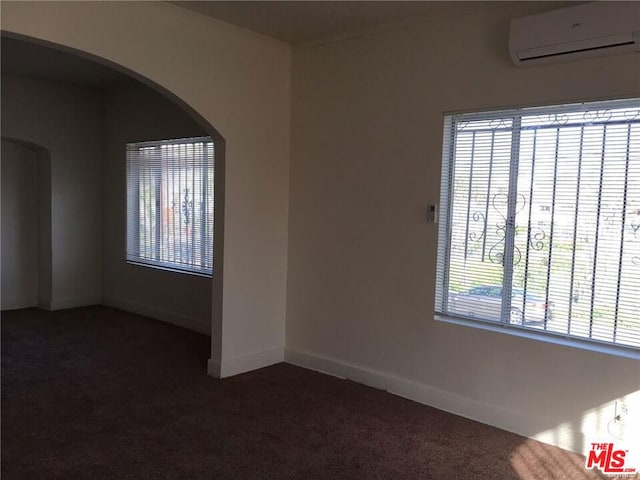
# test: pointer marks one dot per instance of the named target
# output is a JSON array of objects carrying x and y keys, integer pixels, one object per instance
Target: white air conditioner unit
[{"x": 585, "y": 30}]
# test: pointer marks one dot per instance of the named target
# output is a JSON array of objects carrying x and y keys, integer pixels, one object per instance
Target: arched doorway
[
  {"x": 26, "y": 225},
  {"x": 238, "y": 82},
  {"x": 85, "y": 114}
]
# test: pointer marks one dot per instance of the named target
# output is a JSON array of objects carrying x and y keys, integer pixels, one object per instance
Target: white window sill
[
  {"x": 170, "y": 269},
  {"x": 549, "y": 337}
]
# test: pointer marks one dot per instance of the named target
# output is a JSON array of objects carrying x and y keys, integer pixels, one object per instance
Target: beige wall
[
  {"x": 366, "y": 152},
  {"x": 19, "y": 229},
  {"x": 135, "y": 113},
  {"x": 240, "y": 83},
  {"x": 66, "y": 121}
]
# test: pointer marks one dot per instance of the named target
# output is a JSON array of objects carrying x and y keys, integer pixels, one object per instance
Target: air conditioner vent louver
[{"x": 571, "y": 52}]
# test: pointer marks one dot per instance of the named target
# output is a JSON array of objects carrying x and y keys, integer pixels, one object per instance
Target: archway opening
[
  {"x": 84, "y": 110},
  {"x": 26, "y": 225}
]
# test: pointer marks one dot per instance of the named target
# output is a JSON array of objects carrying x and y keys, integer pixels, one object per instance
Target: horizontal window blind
[
  {"x": 540, "y": 223},
  {"x": 170, "y": 204}
]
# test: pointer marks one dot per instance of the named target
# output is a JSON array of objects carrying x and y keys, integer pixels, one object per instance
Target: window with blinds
[
  {"x": 540, "y": 221},
  {"x": 170, "y": 204}
]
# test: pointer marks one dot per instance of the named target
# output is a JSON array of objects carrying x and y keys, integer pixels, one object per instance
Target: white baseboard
[
  {"x": 16, "y": 303},
  {"x": 158, "y": 314},
  {"x": 449, "y": 402},
  {"x": 213, "y": 368},
  {"x": 50, "y": 304},
  {"x": 236, "y": 366},
  {"x": 72, "y": 302}
]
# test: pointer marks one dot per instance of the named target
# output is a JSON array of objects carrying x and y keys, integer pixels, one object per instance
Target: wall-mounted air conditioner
[{"x": 585, "y": 30}]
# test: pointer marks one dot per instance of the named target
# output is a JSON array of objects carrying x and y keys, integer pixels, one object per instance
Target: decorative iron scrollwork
[
  {"x": 477, "y": 217},
  {"x": 536, "y": 240},
  {"x": 635, "y": 225},
  {"x": 635, "y": 228},
  {"x": 558, "y": 119},
  {"x": 597, "y": 116},
  {"x": 187, "y": 207},
  {"x": 499, "y": 202}
]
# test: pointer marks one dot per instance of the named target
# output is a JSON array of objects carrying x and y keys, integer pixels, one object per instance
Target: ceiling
[
  {"x": 294, "y": 22},
  {"x": 307, "y": 21}
]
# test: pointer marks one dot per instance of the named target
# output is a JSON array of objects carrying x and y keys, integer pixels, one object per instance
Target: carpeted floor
[{"x": 97, "y": 393}]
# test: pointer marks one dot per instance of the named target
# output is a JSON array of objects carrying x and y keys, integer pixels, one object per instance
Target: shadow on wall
[
  {"x": 26, "y": 260},
  {"x": 616, "y": 422}
]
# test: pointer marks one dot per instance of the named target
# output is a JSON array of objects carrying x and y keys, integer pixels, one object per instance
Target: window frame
[
  {"x": 132, "y": 217},
  {"x": 445, "y": 228}
]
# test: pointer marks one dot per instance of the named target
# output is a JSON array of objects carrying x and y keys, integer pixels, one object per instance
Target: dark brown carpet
[{"x": 97, "y": 393}]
